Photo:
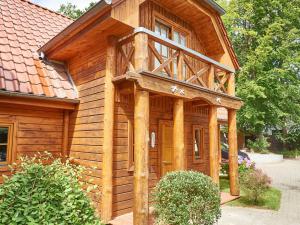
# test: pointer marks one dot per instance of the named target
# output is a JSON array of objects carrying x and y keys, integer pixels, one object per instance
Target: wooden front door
[{"x": 166, "y": 146}]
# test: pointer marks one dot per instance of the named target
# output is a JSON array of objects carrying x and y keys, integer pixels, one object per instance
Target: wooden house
[{"x": 132, "y": 88}]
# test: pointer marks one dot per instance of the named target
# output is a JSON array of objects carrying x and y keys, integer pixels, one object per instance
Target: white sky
[{"x": 54, "y": 4}]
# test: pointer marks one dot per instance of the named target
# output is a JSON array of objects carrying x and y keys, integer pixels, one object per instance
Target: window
[
  {"x": 198, "y": 143},
  {"x": 5, "y": 143},
  {"x": 169, "y": 31},
  {"x": 130, "y": 145}
]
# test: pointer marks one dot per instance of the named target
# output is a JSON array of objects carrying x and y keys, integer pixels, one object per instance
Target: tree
[
  {"x": 70, "y": 10},
  {"x": 266, "y": 38}
]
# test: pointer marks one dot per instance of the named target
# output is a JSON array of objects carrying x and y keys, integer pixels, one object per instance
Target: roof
[
  {"x": 215, "y": 6},
  {"x": 24, "y": 27}
]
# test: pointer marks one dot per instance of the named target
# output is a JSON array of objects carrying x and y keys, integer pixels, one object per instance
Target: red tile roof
[{"x": 24, "y": 27}]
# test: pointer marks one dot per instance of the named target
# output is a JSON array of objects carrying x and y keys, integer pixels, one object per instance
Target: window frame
[
  {"x": 201, "y": 147},
  {"x": 11, "y": 141}
]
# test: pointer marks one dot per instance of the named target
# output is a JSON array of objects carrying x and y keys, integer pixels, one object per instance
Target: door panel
[{"x": 166, "y": 137}]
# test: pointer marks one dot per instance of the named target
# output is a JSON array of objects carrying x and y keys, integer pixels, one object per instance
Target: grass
[
  {"x": 270, "y": 199},
  {"x": 289, "y": 154}
]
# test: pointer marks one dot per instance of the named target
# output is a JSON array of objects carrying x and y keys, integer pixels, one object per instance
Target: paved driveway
[{"x": 286, "y": 177}]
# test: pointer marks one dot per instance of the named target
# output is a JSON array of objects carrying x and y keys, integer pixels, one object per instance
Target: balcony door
[{"x": 168, "y": 31}]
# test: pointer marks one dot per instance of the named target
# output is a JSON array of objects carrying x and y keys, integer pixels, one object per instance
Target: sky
[{"x": 54, "y": 4}]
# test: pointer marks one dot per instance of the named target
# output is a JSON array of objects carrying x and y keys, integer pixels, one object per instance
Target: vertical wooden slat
[
  {"x": 211, "y": 77},
  {"x": 180, "y": 66},
  {"x": 141, "y": 158},
  {"x": 108, "y": 121},
  {"x": 213, "y": 144},
  {"x": 233, "y": 153},
  {"x": 231, "y": 84},
  {"x": 65, "y": 134},
  {"x": 178, "y": 134}
]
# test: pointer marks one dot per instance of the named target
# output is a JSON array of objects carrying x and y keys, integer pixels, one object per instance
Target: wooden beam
[
  {"x": 141, "y": 57},
  {"x": 233, "y": 153},
  {"x": 211, "y": 78},
  {"x": 66, "y": 135},
  {"x": 108, "y": 121},
  {"x": 178, "y": 134},
  {"x": 213, "y": 144},
  {"x": 231, "y": 85},
  {"x": 141, "y": 137},
  {"x": 141, "y": 158}
]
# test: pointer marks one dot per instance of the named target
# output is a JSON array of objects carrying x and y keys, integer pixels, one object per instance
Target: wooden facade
[{"x": 150, "y": 76}]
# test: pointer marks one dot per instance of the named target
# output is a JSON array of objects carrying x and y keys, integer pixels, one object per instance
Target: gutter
[
  {"x": 38, "y": 97},
  {"x": 92, "y": 13},
  {"x": 215, "y": 6}
]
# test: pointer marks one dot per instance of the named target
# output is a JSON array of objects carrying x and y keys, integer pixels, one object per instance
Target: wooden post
[
  {"x": 141, "y": 58},
  {"x": 66, "y": 135},
  {"x": 141, "y": 137},
  {"x": 211, "y": 77},
  {"x": 231, "y": 84},
  {"x": 141, "y": 158},
  {"x": 213, "y": 144},
  {"x": 108, "y": 121},
  {"x": 178, "y": 134},
  {"x": 233, "y": 153}
]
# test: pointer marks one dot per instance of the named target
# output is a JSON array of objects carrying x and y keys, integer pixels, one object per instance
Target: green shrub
[
  {"x": 186, "y": 198},
  {"x": 254, "y": 183},
  {"x": 40, "y": 194},
  {"x": 260, "y": 145}
]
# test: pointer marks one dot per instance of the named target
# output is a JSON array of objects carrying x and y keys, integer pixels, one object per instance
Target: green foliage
[
  {"x": 260, "y": 145},
  {"x": 290, "y": 154},
  {"x": 186, "y": 198},
  {"x": 70, "y": 10},
  {"x": 40, "y": 194},
  {"x": 265, "y": 35},
  {"x": 244, "y": 166},
  {"x": 254, "y": 183}
]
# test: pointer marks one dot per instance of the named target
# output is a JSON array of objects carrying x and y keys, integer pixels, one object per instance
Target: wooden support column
[
  {"x": 178, "y": 134},
  {"x": 233, "y": 153},
  {"x": 141, "y": 158},
  {"x": 213, "y": 144},
  {"x": 141, "y": 137},
  {"x": 211, "y": 77},
  {"x": 65, "y": 153},
  {"x": 231, "y": 84},
  {"x": 108, "y": 121}
]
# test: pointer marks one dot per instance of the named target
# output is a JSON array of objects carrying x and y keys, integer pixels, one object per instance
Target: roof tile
[{"x": 24, "y": 27}]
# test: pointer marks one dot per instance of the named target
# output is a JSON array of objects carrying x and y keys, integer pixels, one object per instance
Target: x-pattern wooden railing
[{"x": 198, "y": 69}]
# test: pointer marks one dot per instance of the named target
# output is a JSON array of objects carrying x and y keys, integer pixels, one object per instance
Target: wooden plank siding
[
  {"x": 37, "y": 130},
  {"x": 86, "y": 122},
  {"x": 161, "y": 108}
]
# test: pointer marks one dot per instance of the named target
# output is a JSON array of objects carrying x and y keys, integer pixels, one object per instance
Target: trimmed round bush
[
  {"x": 39, "y": 194},
  {"x": 186, "y": 198}
]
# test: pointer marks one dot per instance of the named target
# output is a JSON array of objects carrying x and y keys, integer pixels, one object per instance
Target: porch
[{"x": 189, "y": 84}]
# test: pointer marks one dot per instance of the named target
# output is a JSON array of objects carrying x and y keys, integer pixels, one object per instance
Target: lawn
[{"x": 270, "y": 200}]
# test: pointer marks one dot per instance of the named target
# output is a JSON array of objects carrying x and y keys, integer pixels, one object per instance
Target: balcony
[{"x": 180, "y": 65}]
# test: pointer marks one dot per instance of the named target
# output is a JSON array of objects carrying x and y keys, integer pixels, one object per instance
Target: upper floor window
[
  {"x": 5, "y": 143},
  {"x": 166, "y": 30},
  {"x": 198, "y": 143}
]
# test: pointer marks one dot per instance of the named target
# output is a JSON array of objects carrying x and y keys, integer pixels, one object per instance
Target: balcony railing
[{"x": 180, "y": 63}]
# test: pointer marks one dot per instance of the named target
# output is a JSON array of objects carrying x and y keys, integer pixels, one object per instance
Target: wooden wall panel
[
  {"x": 161, "y": 108},
  {"x": 86, "y": 122},
  {"x": 37, "y": 130}
]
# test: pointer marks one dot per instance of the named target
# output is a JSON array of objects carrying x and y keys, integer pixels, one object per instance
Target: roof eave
[
  {"x": 215, "y": 6},
  {"x": 77, "y": 23}
]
